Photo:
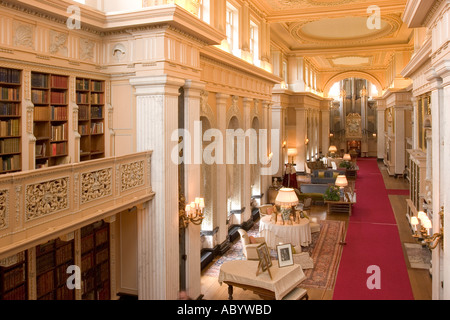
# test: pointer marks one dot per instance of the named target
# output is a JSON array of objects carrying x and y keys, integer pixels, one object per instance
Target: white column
[
  {"x": 192, "y": 173},
  {"x": 156, "y": 120},
  {"x": 278, "y": 124},
  {"x": 399, "y": 114},
  {"x": 438, "y": 183},
  {"x": 221, "y": 109},
  {"x": 247, "y": 189},
  {"x": 266, "y": 180},
  {"x": 325, "y": 131},
  {"x": 380, "y": 128},
  {"x": 444, "y": 159},
  {"x": 301, "y": 131}
]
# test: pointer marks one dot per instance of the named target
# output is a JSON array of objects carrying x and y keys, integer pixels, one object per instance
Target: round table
[{"x": 296, "y": 234}]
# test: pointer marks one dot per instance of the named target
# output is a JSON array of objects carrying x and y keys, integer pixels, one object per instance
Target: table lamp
[
  {"x": 347, "y": 157},
  {"x": 341, "y": 182},
  {"x": 286, "y": 198},
  {"x": 332, "y": 150}
]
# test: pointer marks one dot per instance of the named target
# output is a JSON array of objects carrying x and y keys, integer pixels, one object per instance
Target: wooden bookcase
[
  {"x": 95, "y": 271},
  {"x": 49, "y": 94},
  {"x": 52, "y": 260},
  {"x": 91, "y": 115},
  {"x": 10, "y": 120},
  {"x": 13, "y": 280}
]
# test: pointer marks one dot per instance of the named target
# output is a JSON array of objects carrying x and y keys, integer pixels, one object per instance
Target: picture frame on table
[
  {"x": 284, "y": 253},
  {"x": 265, "y": 262}
]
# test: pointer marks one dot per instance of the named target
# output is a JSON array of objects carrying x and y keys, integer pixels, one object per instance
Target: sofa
[{"x": 325, "y": 176}]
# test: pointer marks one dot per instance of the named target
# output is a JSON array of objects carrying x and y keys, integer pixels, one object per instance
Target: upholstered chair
[{"x": 249, "y": 249}]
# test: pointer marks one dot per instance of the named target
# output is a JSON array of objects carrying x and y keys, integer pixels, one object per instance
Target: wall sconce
[
  {"x": 192, "y": 212},
  {"x": 306, "y": 141},
  {"x": 424, "y": 233},
  {"x": 284, "y": 144}
]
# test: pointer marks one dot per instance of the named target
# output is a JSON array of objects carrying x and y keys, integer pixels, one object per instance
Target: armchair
[{"x": 248, "y": 248}]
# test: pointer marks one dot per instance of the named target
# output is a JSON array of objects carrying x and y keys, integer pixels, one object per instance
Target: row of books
[
  {"x": 58, "y": 97},
  {"x": 59, "y": 132},
  {"x": 9, "y": 75},
  {"x": 10, "y": 128},
  {"x": 9, "y": 145},
  {"x": 96, "y": 127},
  {"x": 9, "y": 109},
  {"x": 9, "y": 93},
  {"x": 39, "y": 80},
  {"x": 58, "y": 149},
  {"x": 96, "y": 85},
  {"x": 13, "y": 278},
  {"x": 18, "y": 293},
  {"x": 64, "y": 254},
  {"x": 82, "y": 97},
  {"x": 96, "y": 98},
  {"x": 39, "y": 96},
  {"x": 97, "y": 112},
  {"x": 40, "y": 150},
  {"x": 59, "y": 81},
  {"x": 10, "y": 163},
  {"x": 82, "y": 84},
  {"x": 59, "y": 113},
  {"x": 41, "y": 113}
]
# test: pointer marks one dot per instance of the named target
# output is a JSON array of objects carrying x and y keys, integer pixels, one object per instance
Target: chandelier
[{"x": 191, "y": 212}]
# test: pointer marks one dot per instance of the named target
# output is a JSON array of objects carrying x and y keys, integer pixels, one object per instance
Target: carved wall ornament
[
  {"x": 86, "y": 49},
  {"x": 4, "y": 209},
  {"x": 46, "y": 198},
  {"x": 96, "y": 185},
  {"x": 58, "y": 42},
  {"x": 132, "y": 175},
  {"x": 23, "y": 35}
]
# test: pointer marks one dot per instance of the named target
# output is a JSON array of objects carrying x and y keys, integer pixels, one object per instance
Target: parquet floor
[{"x": 420, "y": 279}]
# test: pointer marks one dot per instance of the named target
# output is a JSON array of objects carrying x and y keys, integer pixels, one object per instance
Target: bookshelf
[
  {"x": 91, "y": 125},
  {"x": 10, "y": 120},
  {"x": 95, "y": 273},
  {"x": 13, "y": 280},
  {"x": 49, "y": 96},
  {"x": 52, "y": 260}
]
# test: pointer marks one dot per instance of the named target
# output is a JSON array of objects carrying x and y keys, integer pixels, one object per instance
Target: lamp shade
[
  {"x": 292, "y": 152},
  {"x": 347, "y": 157},
  {"x": 341, "y": 181},
  {"x": 414, "y": 221},
  {"x": 332, "y": 149},
  {"x": 286, "y": 197},
  {"x": 422, "y": 216}
]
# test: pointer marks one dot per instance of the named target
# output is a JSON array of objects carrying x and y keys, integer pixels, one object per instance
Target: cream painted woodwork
[
  {"x": 429, "y": 71},
  {"x": 53, "y": 201}
]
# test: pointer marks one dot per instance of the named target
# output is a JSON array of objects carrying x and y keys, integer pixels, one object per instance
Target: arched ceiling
[{"x": 334, "y": 34}]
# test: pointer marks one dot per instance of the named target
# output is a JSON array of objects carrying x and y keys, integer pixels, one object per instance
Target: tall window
[
  {"x": 254, "y": 42},
  {"x": 232, "y": 28},
  {"x": 204, "y": 10}
]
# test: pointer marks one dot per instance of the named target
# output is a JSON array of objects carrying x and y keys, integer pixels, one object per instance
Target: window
[
  {"x": 254, "y": 42},
  {"x": 232, "y": 28},
  {"x": 204, "y": 10}
]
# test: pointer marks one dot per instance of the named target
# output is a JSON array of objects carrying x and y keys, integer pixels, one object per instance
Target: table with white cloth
[
  {"x": 295, "y": 234},
  {"x": 242, "y": 274}
]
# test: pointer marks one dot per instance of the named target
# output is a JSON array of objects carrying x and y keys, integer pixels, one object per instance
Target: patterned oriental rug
[{"x": 324, "y": 250}]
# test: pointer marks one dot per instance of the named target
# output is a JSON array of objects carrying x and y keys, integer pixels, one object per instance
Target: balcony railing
[{"x": 38, "y": 205}]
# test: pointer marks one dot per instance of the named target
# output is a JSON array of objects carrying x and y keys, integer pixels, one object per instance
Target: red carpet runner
[{"x": 372, "y": 240}]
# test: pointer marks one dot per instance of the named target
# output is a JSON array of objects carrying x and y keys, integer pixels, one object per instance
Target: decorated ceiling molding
[{"x": 343, "y": 31}]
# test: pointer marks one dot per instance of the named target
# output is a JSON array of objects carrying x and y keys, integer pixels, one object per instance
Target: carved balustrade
[{"x": 39, "y": 205}]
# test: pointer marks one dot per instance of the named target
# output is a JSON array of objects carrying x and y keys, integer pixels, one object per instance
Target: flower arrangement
[{"x": 332, "y": 194}]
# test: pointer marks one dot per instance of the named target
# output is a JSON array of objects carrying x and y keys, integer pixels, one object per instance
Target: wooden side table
[{"x": 339, "y": 207}]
